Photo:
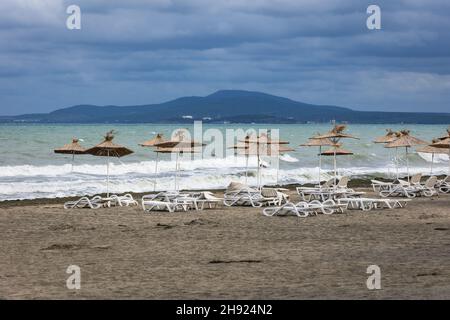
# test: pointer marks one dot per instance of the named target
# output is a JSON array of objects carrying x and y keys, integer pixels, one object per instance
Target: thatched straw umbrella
[
  {"x": 151, "y": 143},
  {"x": 404, "y": 139},
  {"x": 107, "y": 149},
  {"x": 388, "y": 137},
  {"x": 335, "y": 135},
  {"x": 177, "y": 151},
  {"x": 314, "y": 142},
  {"x": 72, "y": 149},
  {"x": 274, "y": 150},
  {"x": 262, "y": 139},
  {"x": 178, "y": 145},
  {"x": 444, "y": 144},
  {"x": 259, "y": 146},
  {"x": 432, "y": 151},
  {"x": 446, "y": 136},
  {"x": 334, "y": 152}
]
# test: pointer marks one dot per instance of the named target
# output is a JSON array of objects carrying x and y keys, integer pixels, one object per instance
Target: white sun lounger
[
  {"x": 98, "y": 202},
  {"x": 427, "y": 189},
  {"x": 246, "y": 196},
  {"x": 328, "y": 184},
  {"x": 367, "y": 204},
  {"x": 303, "y": 209},
  {"x": 398, "y": 187},
  {"x": 206, "y": 199},
  {"x": 159, "y": 202},
  {"x": 444, "y": 185},
  {"x": 390, "y": 189},
  {"x": 168, "y": 201},
  {"x": 414, "y": 180},
  {"x": 84, "y": 202},
  {"x": 325, "y": 194},
  {"x": 157, "y": 205},
  {"x": 123, "y": 201}
]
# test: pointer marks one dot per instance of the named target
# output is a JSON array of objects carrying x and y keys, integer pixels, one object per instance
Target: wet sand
[{"x": 234, "y": 253}]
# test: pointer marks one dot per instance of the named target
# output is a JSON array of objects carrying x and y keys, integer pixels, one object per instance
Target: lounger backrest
[
  {"x": 207, "y": 195},
  {"x": 447, "y": 179},
  {"x": 329, "y": 183},
  {"x": 416, "y": 178},
  {"x": 269, "y": 193},
  {"x": 431, "y": 182},
  {"x": 343, "y": 182},
  {"x": 236, "y": 186}
]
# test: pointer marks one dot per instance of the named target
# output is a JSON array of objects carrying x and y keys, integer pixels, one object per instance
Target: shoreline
[{"x": 354, "y": 183}]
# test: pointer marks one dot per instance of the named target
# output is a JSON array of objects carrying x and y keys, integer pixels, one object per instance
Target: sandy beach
[{"x": 227, "y": 253}]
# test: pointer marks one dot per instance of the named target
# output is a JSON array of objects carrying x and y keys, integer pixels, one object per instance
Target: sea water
[{"x": 29, "y": 168}]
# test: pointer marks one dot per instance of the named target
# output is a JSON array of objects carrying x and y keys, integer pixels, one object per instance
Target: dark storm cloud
[{"x": 138, "y": 52}]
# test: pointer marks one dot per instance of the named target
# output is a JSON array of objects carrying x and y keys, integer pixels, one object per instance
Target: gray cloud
[{"x": 138, "y": 52}]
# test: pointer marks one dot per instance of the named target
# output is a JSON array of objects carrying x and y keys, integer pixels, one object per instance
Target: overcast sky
[{"x": 138, "y": 52}]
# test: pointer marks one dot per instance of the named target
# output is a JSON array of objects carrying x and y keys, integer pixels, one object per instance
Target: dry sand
[{"x": 224, "y": 253}]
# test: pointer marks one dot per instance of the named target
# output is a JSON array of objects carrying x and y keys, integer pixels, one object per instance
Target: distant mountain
[{"x": 230, "y": 106}]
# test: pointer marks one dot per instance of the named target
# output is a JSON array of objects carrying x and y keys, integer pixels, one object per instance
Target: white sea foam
[
  {"x": 76, "y": 184},
  {"x": 116, "y": 168},
  {"x": 288, "y": 158},
  {"x": 438, "y": 158}
]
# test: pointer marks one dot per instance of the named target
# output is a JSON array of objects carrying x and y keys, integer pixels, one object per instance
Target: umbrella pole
[
  {"x": 246, "y": 168},
  {"x": 107, "y": 175},
  {"x": 176, "y": 172},
  {"x": 389, "y": 155},
  {"x": 432, "y": 160},
  {"x": 156, "y": 171},
  {"x": 73, "y": 159},
  {"x": 320, "y": 163},
  {"x": 396, "y": 161},
  {"x": 258, "y": 180},
  {"x": 335, "y": 169},
  {"x": 407, "y": 163},
  {"x": 278, "y": 168}
]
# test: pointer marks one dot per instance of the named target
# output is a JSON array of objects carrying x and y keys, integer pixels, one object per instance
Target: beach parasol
[
  {"x": 388, "y": 137},
  {"x": 151, "y": 143},
  {"x": 108, "y": 149},
  {"x": 241, "y": 148},
  {"x": 177, "y": 151},
  {"x": 444, "y": 144},
  {"x": 178, "y": 145},
  {"x": 446, "y": 136},
  {"x": 404, "y": 139},
  {"x": 335, "y": 135},
  {"x": 336, "y": 151},
  {"x": 314, "y": 142},
  {"x": 432, "y": 150},
  {"x": 259, "y": 150},
  {"x": 261, "y": 145},
  {"x": 71, "y": 148},
  {"x": 159, "y": 138},
  {"x": 262, "y": 139}
]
